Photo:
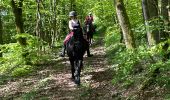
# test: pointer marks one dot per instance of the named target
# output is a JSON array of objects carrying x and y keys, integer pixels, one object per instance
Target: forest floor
[{"x": 52, "y": 81}]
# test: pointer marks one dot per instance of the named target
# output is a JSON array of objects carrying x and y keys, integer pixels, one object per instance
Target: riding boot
[{"x": 62, "y": 54}]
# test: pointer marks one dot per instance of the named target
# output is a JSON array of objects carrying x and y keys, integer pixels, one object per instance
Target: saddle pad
[{"x": 68, "y": 37}]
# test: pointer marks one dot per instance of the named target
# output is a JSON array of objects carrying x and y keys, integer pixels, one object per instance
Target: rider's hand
[{"x": 74, "y": 28}]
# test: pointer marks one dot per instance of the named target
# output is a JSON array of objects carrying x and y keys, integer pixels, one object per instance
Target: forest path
[{"x": 52, "y": 81}]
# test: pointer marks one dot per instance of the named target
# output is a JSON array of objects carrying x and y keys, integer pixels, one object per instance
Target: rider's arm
[
  {"x": 70, "y": 25},
  {"x": 86, "y": 20}
]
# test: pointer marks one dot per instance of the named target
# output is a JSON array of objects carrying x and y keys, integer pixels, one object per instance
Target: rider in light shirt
[{"x": 74, "y": 25}]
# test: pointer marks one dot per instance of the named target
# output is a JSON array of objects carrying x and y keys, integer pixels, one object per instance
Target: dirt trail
[{"x": 53, "y": 82}]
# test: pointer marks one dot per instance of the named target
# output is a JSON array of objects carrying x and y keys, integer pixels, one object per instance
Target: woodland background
[{"x": 136, "y": 40}]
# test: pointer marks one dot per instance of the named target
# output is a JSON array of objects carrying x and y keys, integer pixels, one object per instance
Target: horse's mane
[{"x": 78, "y": 35}]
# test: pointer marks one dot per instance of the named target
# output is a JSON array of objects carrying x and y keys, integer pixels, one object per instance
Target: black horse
[
  {"x": 89, "y": 30},
  {"x": 76, "y": 48}
]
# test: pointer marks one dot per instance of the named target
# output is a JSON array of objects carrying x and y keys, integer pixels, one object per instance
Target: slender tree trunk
[
  {"x": 164, "y": 11},
  {"x": 153, "y": 11},
  {"x": 145, "y": 10},
  {"x": 125, "y": 24},
  {"x": 54, "y": 4},
  {"x": 17, "y": 10},
  {"x": 38, "y": 24},
  {"x": 169, "y": 9},
  {"x": 150, "y": 12},
  {"x": 121, "y": 33},
  {"x": 165, "y": 26},
  {"x": 1, "y": 33}
]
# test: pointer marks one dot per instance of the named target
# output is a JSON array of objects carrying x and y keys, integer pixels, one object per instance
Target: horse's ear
[{"x": 78, "y": 22}]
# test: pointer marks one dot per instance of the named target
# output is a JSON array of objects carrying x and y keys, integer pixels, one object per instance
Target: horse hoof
[
  {"x": 77, "y": 83},
  {"x": 61, "y": 55},
  {"x": 72, "y": 78},
  {"x": 90, "y": 55},
  {"x": 77, "y": 80}
]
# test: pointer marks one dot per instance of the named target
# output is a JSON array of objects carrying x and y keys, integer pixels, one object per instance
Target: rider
[
  {"x": 89, "y": 19},
  {"x": 74, "y": 24}
]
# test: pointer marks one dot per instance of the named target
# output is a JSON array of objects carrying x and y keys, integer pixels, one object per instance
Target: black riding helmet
[{"x": 72, "y": 13}]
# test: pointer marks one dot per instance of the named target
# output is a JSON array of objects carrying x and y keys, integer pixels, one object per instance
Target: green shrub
[
  {"x": 22, "y": 70},
  {"x": 17, "y": 59}
]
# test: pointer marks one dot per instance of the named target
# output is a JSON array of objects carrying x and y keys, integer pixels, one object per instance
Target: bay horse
[
  {"x": 88, "y": 29},
  {"x": 76, "y": 48}
]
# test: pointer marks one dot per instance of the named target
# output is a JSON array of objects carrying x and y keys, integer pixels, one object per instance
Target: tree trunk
[
  {"x": 165, "y": 30},
  {"x": 164, "y": 11},
  {"x": 54, "y": 4},
  {"x": 72, "y": 5},
  {"x": 145, "y": 16},
  {"x": 169, "y": 10},
  {"x": 1, "y": 33},
  {"x": 153, "y": 11},
  {"x": 145, "y": 10},
  {"x": 165, "y": 25},
  {"x": 125, "y": 24},
  {"x": 38, "y": 24},
  {"x": 150, "y": 12},
  {"x": 17, "y": 10}
]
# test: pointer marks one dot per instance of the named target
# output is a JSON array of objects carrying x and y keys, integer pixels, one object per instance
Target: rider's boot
[
  {"x": 62, "y": 54},
  {"x": 88, "y": 53}
]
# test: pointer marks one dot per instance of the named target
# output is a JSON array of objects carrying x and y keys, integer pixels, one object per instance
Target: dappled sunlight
[
  {"x": 126, "y": 45},
  {"x": 54, "y": 80}
]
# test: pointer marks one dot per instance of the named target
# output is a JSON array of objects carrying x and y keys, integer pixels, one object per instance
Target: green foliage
[
  {"x": 137, "y": 67},
  {"x": 112, "y": 35},
  {"x": 16, "y": 58},
  {"x": 134, "y": 11},
  {"x": 29, "y": 96},
  {"x": 134, "y": 67},
  {"x": 104, "y": 13},
  {"x": 22, "y": 71}
]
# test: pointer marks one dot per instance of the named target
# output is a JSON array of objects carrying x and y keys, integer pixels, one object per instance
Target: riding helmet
[{"x": 72, "y": 13}]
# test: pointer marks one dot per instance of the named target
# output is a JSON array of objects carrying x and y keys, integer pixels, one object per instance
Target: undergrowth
[
  {"x": 142, "y": 69},
  {"x": 20, "y": 60}
]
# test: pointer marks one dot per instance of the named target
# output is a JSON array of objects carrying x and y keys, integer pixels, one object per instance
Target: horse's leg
[
  {"x": 77, "y": 78},
  {"x": 91, "y": 37},
  {"x": 78, "y": 65},
  {"x": 87, "y": 48},
  {"x": 88, "y": 37},
  {"x": 72, "y": 67},
  {"x": 90, "y": 40}
]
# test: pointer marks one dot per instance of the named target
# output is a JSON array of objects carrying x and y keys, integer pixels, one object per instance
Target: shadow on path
[{"x": 52, "y": 81}]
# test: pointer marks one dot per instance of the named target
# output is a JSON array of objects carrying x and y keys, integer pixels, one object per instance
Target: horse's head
[{"x": 78, "y": 34}]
